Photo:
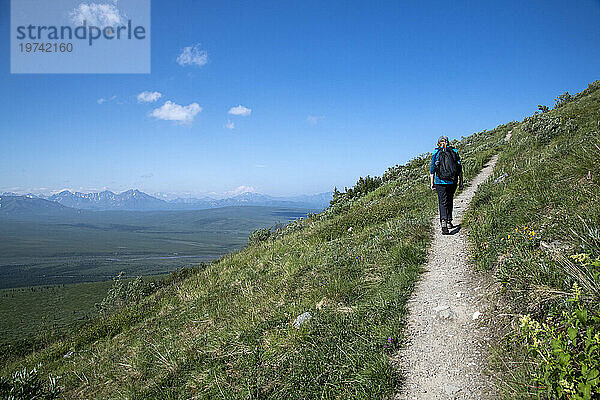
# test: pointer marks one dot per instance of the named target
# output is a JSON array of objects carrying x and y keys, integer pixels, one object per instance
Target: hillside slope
[
  {"x": 227, "y": 330},
  {"x": 536, "y": 226}
]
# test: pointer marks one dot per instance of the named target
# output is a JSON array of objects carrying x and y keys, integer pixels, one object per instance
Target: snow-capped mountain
[
  {"x": 107, "y": 200},
  {"x": 135, "y": 200}
]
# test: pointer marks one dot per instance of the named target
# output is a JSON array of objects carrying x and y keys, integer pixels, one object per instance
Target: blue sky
[{"x": 336, "y": 89}]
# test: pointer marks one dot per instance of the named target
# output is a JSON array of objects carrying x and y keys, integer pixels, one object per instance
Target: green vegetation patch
[{"x": 540, "y": 208}]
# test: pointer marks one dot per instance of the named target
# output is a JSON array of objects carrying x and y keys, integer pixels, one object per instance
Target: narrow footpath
[{"x": 447, "y": 353}]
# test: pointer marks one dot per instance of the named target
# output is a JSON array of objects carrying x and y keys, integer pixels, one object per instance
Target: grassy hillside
[
  {"x": 227, "y": 331},
  {"x": 539, "y": 230}
]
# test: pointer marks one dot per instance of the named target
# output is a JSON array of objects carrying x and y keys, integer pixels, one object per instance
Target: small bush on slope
[
  {"x": 567, "y": 351},
  {"x": 226, "y": 331},
  {"x": 525, "y": 227}
]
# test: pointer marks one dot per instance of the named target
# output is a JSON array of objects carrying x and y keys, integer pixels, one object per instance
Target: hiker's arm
[
  {"x": 432, "y": 172},
  {"x": 460, "y": 174}
]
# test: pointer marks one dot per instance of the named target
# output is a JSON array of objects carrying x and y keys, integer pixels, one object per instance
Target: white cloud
[
  {"x": 103, "y": 100},
  {"x": 240, "y": 110},
  {"x": 99, "y": 15},
  {"x": 229, "y": 125},
  {"x": 174, "y": 112},
  {"x": 148, "y": 97},
  {"x": 241, "y": 190},
  {"x": 192, "y": 55},
  {"x": 314, "y": 119}
]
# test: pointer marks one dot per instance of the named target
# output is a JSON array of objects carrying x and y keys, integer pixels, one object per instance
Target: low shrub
[
  {"x": 545, "y": 127},
  {"x": 563, "y": 99},
  {"x": 124, "y": 292},
  {"x": 259, "y": 235},
  {"x": 565, "y": 351}
]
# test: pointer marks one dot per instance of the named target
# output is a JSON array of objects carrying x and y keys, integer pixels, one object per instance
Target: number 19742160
[{"x": 46, "y": 47}]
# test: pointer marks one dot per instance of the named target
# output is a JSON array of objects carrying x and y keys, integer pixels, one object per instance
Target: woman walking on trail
[{"x": 444, "y": 173}]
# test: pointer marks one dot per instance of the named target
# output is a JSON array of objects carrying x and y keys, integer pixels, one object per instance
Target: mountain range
[
  {"x": 135, "y": 200},
  {"x": 11, "y": 203}
]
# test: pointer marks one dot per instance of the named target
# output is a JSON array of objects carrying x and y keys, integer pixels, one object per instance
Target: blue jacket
[{"x": 434, "y": 159}]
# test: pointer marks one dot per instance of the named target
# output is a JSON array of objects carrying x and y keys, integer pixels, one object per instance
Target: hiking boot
[{"x": 444, "y": 227}]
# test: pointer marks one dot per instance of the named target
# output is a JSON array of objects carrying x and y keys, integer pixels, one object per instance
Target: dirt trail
[{"x": 447, "y": 352}]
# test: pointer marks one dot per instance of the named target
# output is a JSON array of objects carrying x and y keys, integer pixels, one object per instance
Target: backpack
[{"x": 447, "y": 164}]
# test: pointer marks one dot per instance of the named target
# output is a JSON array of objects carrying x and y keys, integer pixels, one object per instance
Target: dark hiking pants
[{"x": 445, "y": 197}]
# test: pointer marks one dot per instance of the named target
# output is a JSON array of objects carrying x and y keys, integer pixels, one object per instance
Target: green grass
[
  {"x": 25, "y": 311},
  {"x": 548, "y": 204},
  {"x": 226, "y": 331}
]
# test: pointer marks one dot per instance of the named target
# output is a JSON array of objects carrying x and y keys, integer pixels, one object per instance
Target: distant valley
[
  {"x": 43, "y": 242},
  {"x": 59, "y": 253}
]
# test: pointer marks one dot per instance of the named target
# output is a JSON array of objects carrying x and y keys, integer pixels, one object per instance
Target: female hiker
[{"x": 444, "y": 173}]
